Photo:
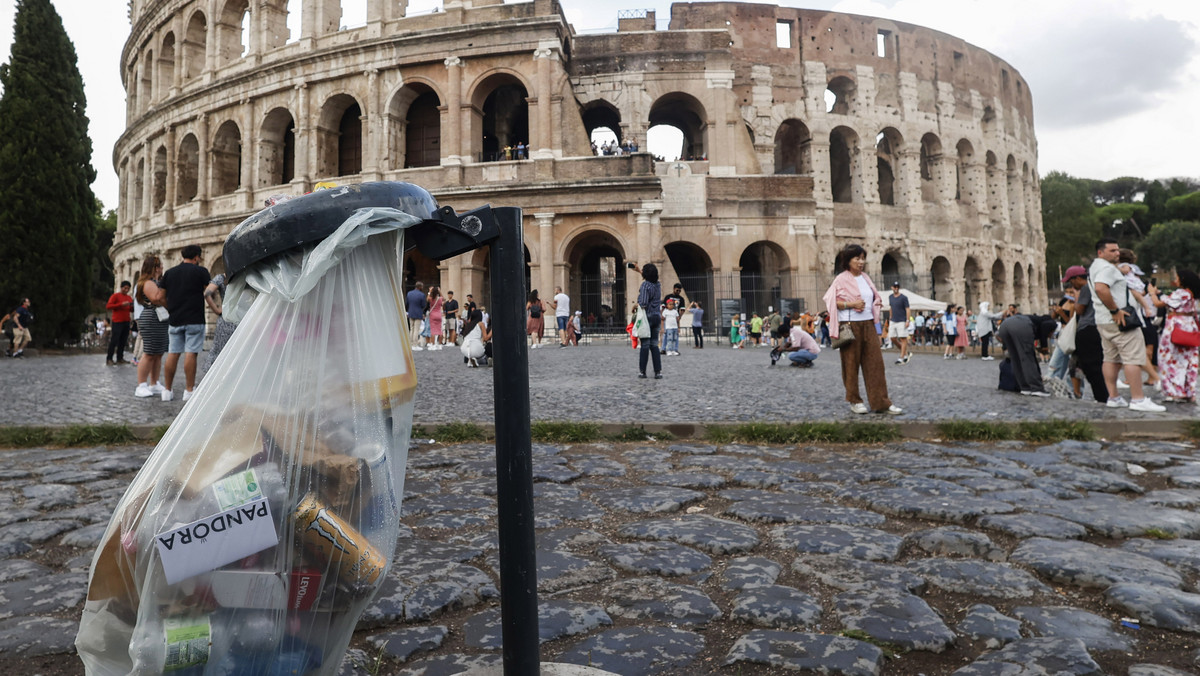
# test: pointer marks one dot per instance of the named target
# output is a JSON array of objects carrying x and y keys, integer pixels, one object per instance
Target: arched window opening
[
  {"x": 195, "y": 45},
  {"x": 764, "y": 274},
  {"x": 887, "y": 158},
  {"x": 939, "y": 279},
  {"x": 166, "y": 66},
  {"x": 839, "y": 95},
  {"x": 227, "y": 159},
  {"x": 666, "y": 143},
  {"x": 1018, "y": 284},
  {"x": 896, "y": 267},
  {"x": 963, "y": 189},
  {"x": 603, "y": 124},
  {"x": 295, "y": 20},
  {"x": 999, "y": 282},
  {"x": 350, "y": 142},
  {"x": 973, "y": 277},
  {"x": 694, "y": 269},
  {"x": 793, "y": 149},
  {"x": 131, "y": 85},
  {"x": 146, "y": 80},
  {"x": 1015, "y": 210},
  {"x": 842, "y": 164},
  {"x": 423, "y": 132},
  {"x": 597, "y": 264},
  {"x": 505, "y": 124},
  {"x": 160, "y": 178},
  {"x": 187, "y": 170},
  {"x": 931, "y": 156},
  {"x": 277, "y": 149},
  {"x": 233, "y": 31},
  {"x": 354, "y": 15},
  {"x": 139, "y": 190},
  {"x": 684, "y": 113}
]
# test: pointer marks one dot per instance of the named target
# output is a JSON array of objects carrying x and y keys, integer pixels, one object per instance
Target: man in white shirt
[
  {"x": 562, "y": 312},
  {"x": 1122, "y": 348}
]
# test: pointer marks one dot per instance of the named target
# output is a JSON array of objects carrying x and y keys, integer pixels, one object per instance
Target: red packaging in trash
[{"x": 304, "y": 589}]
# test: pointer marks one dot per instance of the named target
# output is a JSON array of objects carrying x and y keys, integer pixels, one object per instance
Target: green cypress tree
[{"x": 47, "y": 209}]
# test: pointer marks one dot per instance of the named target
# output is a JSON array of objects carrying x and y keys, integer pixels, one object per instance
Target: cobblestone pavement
[
  {"x": 597, "y": 383},
  {"x": 905, "y": 558}
]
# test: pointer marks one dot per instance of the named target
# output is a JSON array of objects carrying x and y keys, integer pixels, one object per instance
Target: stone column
[
  {"x": 202, "y": 169},
  {"x": 172, "y": 175},
  {"x": 545, "y": 55},
  {"x": 371, "y": 123},
  {"x": 147, "y": 185},
  {"x": 719, "y": 145},
  {"x": 305, "y": 145},
  {"x": 545, "y": 223},
  {"x": 210, "y": 40},
  {"x": 822, "y": 181},
  {"x": 452, "y": 129}
]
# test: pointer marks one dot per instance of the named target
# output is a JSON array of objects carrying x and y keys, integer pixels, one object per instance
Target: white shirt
[
  {"x": 865, "y": 314},
  {"x": 1103, "y": 272},
  {"x": 671, "y": 317},
  {"x": 562, "y": 305}
]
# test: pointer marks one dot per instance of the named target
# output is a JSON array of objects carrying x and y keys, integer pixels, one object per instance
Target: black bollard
[{"x": 514, "y": 456}]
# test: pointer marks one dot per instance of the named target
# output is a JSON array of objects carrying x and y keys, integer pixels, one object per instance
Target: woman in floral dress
[{"x": 1177, "y": 364}]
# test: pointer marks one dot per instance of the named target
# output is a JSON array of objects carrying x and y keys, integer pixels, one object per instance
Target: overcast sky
[{"x": 1115, "y": 83}]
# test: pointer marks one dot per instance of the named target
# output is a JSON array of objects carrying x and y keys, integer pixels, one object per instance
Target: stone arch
[
  {"x": 845, "y": 174},
  {"x": 685, "y": 113},
  {"x": 596, "y": 260},
  {"x": 166, "y": 65},
  {"x": 895, "y": 266},
  {"x": 1036, "y": 287},
  {"x": 478, "y": 276},
  {"x": 839, "y": 95},
  {"x": 941, "y": 280},
  {"x": 195, "y": 46},
  {"x": 414, "y": 121},
  {"x": 131, "y": 86},
  {"x": 793, "y": 148},
  {"x": 972, "y": 279},
  {"x": 159, "y": 199},
  {"x": 187, "y": 169},
  {"x": 420, "y": 268},
  {"x": 601, "y": 114},
  {"x": 1020, "y": 291},
  {"x": 146, "y": 80},
  {"x": 232, "y": 17},
  {"x": 694, "y": 269},
  {"x": 888, "y": 145},
  {"x": 1000, "y": 282},
  {"x": 226, "y": 158},
  {"x": 964, "y": 188},
  {"x": 340, "y": 137},
  {"x": 277, "y": 148},
  {"x": 931, "y": 157},
  {"x": 764, "y": 272},
  {"x": 500, "y": 115}
]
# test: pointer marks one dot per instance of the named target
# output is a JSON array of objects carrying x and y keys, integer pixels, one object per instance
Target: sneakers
[
  {"x": 907, "y": 357},
  {"x": 641, "y": 375},
  {"x": 1119, "y": 402},
  {"x": 1039, "y": 393},
  {"x": 1122, "y": 385},
  {"x": 167, "y": 395},
  {"x": 121, "y": 361},
  {"x": 109, "y": 362},
  {"x": 1147, "y": 405},
  {"x": 187, "y": 394},
  {"x": 894, "y": 410},
  {"x": 157, "y": 388},
  {"x": 987, "y": 359},
  {"x": 143, "y": 390},
  {"x": 658, "y": 376},
  {"x": 899, "y": 361},
  {"x": 417, "y": 348},
  {"x": 945, "y": 356},
  {"x": 859, "y": 408}
]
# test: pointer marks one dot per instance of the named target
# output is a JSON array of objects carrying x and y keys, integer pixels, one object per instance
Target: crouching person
[{"x": 801, "y": 348}]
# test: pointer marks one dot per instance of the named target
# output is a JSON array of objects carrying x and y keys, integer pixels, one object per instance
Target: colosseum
[{"x": 797, "y": 131}]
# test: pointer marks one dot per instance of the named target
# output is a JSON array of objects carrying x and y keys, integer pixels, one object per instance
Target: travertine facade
[{"x": 803, "y": 130}]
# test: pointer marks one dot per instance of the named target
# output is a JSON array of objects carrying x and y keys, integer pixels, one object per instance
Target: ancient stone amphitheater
[{"x": 800, "y": 131}]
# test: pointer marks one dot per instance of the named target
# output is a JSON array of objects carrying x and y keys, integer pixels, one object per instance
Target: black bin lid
[{"x": 313, "y": 217}]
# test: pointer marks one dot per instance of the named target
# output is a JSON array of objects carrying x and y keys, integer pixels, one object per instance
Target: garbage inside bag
[{"x": 267, "y": 517}]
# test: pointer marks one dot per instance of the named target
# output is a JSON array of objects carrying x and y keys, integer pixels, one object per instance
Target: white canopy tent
[{"x": 919, "y": 303}]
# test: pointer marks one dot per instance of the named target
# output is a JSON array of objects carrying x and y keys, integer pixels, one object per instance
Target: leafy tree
[
  {"x": 47, "y": 210},
  {"x": 1123, "y": 220},
  {"x": 1069, "y": 221},
  {"x": 1174, "y": 244},
  {"x": 1184, "y": 207},
  {"x": 102, "y": 267},
  {"x": 1123, "y": 189}
]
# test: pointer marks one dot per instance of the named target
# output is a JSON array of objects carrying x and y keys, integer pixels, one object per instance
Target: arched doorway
[
  {"x": 941, "y": 284},
  {"x": 1000, "y": 282},
  {"x": 1019, "y": 290},
  {"x": 896, "y": 267},
  {"x": 339, "y": 137},
  {"x": 793, "y": 148},
  {"x": 227, "y": 159},
  {"x": 602, "y": 121},
  {"x": 277, "y": 149},
  {"x": 597, "y": 264},
  {"x": 888, "y": 144},
  {"x": 765, "y": 277},
  {"x": 931, "y": 157},
  {"x": 188, "y": 169},
  {"x": 688, "y": 117},
  {"x": 503, "y": 120},
  {"x": 844, "y": 172},
  {"x": 695, "y": 271},
  {"x": 972, "y": 278},
  {"x": 477, "y": 279}
]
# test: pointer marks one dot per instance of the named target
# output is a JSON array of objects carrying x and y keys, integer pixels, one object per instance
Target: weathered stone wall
[{"x": 927, "y": 155}]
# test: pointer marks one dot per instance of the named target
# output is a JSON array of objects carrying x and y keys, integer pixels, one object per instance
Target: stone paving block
[
  {"x": 846, "y": 572},
  {"x": 984, "y": 623},
  {"x": 405, "y": 642},
  {"x": 978, "y": 578},
  {"x": 861, "y": 543},
  {"x": 648, "y": 499},
  {"x": 412, "y": 552},
  {"x": 36, "y": 532},
  {"x": 418, "y": 592},
  {"x": 568, "y": 538},
  {"x": 655, "y": 558},
  {"x": 821, "y": 653},
  {"x": 710, "y": 534},
  {"x": 686, "y": 479},
  {"x": 776, "y": 606},
  {"x": 955, "y": 541},
  {"x": 447, "y": 665},
  {"x": 1033, "y": 525},
  {"x": 560, "y": 570},
  {"x": 1178, "y": 498},
  {"x": 47, "y": 496},
  {"x": 722, "y": 463},
  {"x": 1182, "y": 555},
  {"x": 455, "y": 521},
  {"x": 656, "y": 599},
  {"x": 1088, "y": 479},
  {"x": 1035, "y": 657},
  {"x": 42, "y": 595},
  {"x": 10, "y": 516},
  {"x": 555, "y": 473},
  {"x": 693, "y": 449},
  {"x": 1156, "y": 670},
  {"x": 748, "y": 572},
  {"x": 894, "y": 617},
  {"x": 1185, "y": 475},
  {"x": 11, "y": 549},
  {"x": 1096, "y": 632},
  {"x": 34, "y": 636},
  {"x": 445, "y": 502},
  {"x": 951, "y": 508},
  {"x": 795, "y": 510},
  {"x": 930, "y": 487},
  {"x": 88, "y": 537},
  {"x": 637, "y": 651},
  {"x": 1089, "y": 566},
  {"x": 556, "y": 619},
  {"x": 1158, "y": 606},
  {"x": 595, "y": 465},
  {"x": 20, "y": 569},
  {"x": 761, "y": 478},
  {"x": 74, "y": 476}
]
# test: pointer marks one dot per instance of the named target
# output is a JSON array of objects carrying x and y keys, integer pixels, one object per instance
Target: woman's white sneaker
[
  {"x": 1146, "y": 404},
  {"x": 860, "y": 408},
  {"x": 143, "y": 390}
]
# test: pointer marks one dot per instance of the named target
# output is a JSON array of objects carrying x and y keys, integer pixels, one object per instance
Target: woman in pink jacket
[{"x": 853, "y": 301}]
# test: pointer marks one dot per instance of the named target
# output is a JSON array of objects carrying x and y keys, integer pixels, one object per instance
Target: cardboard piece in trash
[{"x": 216, "y": 540}]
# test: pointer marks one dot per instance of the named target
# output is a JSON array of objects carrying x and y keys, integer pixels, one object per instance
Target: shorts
[
  {"x": 21, "y": 335},
  {"x": 562, "y": 322},
  {"x": 186, "y": 338},
  {"x": 1122, "y": 347},
  {"x": 1150, "y": 333},
  {"x": 898, "y": 331}
]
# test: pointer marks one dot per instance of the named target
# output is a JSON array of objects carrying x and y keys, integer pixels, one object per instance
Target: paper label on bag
[
  {"x": 216, "y": 540},
  {"x": 238, "y": 489},
  {"x": 187, "y": 642}
]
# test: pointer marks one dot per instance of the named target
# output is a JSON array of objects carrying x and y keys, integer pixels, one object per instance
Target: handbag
[
  {"x": 845, "y": 337},
  {"x": 161, "y": 313},
  {"x": 1066, "y": 337},
  {"x": 1184, "y": 338},
  {"x": 641, "y": 325}
]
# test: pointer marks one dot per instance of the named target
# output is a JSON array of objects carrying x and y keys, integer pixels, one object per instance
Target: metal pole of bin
[{"x": 514, "y": 456}]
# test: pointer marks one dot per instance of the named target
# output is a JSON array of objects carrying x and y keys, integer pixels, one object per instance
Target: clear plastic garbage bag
[{"x": 267, "y": 517}]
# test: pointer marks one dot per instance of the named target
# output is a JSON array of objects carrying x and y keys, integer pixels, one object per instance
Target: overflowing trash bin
[{"x": 267, "y": 516}]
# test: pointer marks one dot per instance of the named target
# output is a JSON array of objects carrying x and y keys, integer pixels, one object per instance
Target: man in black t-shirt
[
  {"x": 469, "y": 307},
  {"x": 676, "y": 295},
  {"x": 450, "y": 309},
  {"x": 184, "y": 284}
]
